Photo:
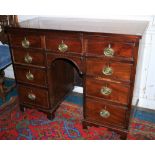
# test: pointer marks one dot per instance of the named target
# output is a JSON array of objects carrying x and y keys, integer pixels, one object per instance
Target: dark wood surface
[
  {"x": 120, "y": 71},
  {"x": 96, "y": 45},
  {"x": 120, "y": 93},
  {"x": 16, "y": 39},
  {"x": 38, "y": 57},
  {"x": 38, "y": 74},
  {"x": 74, "y": 43},
  {"x": 61, "y": 74},
  {"x": 41, "y": 96},
  {"x": 6, "y": 20},
  {"x": 117, "y": 115},
  {"x": 54, "y": 72}
]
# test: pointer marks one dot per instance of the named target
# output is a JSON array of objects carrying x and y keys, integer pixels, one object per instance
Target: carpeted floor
[{"x": 67, "y": 124}]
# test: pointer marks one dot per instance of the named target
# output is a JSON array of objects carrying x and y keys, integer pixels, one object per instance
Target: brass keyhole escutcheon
[
  {"x": 104, "y": 113},
  {"x": 62, "y": 47},
  {"x": 106, "y": 91},
  {"x": 107, "y": 70},
  {"x": 109, "y": 52},
  {"x": 25, "y": 43},
  {"x": 30, "y": 76},
  {"x": 28, "y": 58},
  {"x": 31, "y": 96}
]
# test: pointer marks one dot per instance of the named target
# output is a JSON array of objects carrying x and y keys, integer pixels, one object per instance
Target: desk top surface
[{"x": 129, "y": 27}]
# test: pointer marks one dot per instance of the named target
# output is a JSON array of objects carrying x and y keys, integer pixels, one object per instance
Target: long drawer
[
  {"x": 109, "y": 69},
  {"x": 28, "y": 57},
  {"x": 116, "y": 92},
  {"x": 33, "y": 96},
  {"x": 31, "y": 76},
  {"x": 103, "y": 113}
]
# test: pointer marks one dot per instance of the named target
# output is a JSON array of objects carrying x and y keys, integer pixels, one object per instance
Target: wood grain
[
  {"x": 39, "y": 75},
  {"x": 96, "y": 45},
  {"x": 120, "y": 71},
  {"x": 120, "y": 93},
  {"x": 117, "y": 115},
  {"x": 41, "y": 96},
  {"x": 16, "y": 40},
  {"x": 19, "y": 54},
  {"x": 74, "y": 44}
]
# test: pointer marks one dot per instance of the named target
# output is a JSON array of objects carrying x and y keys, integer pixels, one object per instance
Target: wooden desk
[{"x": 45, "y": 52}]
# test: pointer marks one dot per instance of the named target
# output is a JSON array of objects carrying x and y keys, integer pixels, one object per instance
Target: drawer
[
  {"x": 30, "y": 75},
  {"x": 25, "y": 40},
  {"x": 107, "y": 48},
  {"x": 102, "y": 113},
  {"x": 28, "y": 57},
  {"x": 107, "y": 69},
  {"x": 35, "y": 96},
  {"x": 116, "y": 92},
  {"x": 63, "y": 44}
]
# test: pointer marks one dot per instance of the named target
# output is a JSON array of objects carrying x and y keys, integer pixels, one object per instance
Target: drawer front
[
  {"x": 25, "y": 40},
  {"x": 28, "y": 57},
  {"x": 102, "y": 113},
  {"x": 115, "y": 92},
  {"x": 30, "y": 76},
  {"x": 101, "y": 46},
  {"x": 107, "y": 69},
  {"x": 33, "y": 96},
  {"x": 64, "y": 44}
]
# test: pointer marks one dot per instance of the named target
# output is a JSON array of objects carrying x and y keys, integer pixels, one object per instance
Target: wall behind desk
[{"x": 145, "y": 77}]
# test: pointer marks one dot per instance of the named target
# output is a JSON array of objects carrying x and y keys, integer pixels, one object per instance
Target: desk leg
[
  {"x": 84, "y": 125},
  {"x": 123, "y": 134},
  {"x": 22, "y": 108},
  {"x": 50, "y": 116}
]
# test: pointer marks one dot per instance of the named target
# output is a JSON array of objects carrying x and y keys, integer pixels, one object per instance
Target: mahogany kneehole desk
[{"x": 45, "y": 52}]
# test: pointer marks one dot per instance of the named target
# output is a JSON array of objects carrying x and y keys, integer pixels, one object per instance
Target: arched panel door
[{"x": 60, "y": 74}]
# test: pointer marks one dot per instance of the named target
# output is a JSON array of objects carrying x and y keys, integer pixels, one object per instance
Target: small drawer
[
  {"x": 28, "y": 57},
  {"x": 33, "y": 96},
  {"x": 102, "y": 113},
  {"x": 108, "y": 48},
  {"x": 107, "y": 69},
  {"x": 25, "y": 40},
  {"x": 30, "y": 75},
  {"x": 64, "y": 44},
  {"x": 116, "y": 92}
]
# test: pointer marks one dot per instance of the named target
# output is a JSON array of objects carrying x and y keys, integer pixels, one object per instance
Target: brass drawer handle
[
  {"x": 109, "y": 52},
  {"x": 30, "y": 76},
  {"x": 107, "y": 70},
  {"x": 106, "y": 91},
  {"x": 28, "y": 58},
  {"x": 31, "y": 96},
  {"x": 104, "y": 113},
  {"x": 25, "y": 43},
  {"x": 62, "y": 47}
]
